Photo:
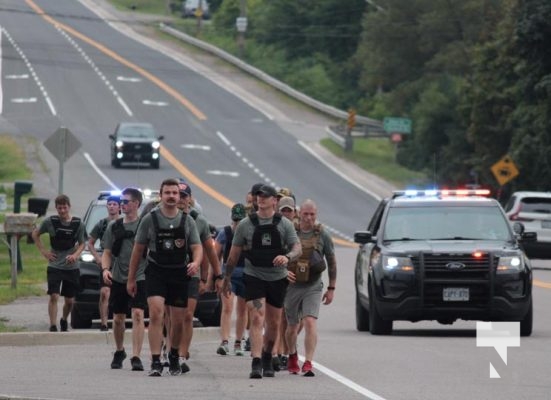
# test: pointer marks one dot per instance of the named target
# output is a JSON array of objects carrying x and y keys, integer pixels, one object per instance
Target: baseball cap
[
  {"x": 266, "y": 190},
  {"x": 238, "y": 212},
  {"x": 286, "y": 202},
  {"x": 255, "y": 188},
  {"x": 116, "y": 199},
  {"x": 185, "y": 189},
  {"x": 284, "y": 192}
]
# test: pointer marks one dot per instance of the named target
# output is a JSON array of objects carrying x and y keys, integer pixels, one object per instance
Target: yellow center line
[
  {"x": 172, "y": 92},
  {"x": 541, "y": 284}
]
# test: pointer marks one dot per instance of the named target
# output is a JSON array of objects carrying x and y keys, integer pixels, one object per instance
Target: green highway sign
[{"x": 397, "y": 125}]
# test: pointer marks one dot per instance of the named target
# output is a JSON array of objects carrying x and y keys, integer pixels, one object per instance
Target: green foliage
[
  {"x": 12, "y": 160},
  {"x": 143, "y": 6}
]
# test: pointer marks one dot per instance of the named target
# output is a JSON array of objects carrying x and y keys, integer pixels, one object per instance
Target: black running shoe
[
  {"x": 156, "y": 368},
  {"x": 276, "y": 363},
  {"x": 136, "y": 364},
  {"x": 174, "y": 365},
  {"x": 267, "y": 366},
  {"x": 118, "y": 358},
  {"x": 53, "y": 328},
  {"x": 63, "y": 325},
  {"x": 183, "y": 366},
  {"x": 248, "y": 344},
  {"x": 256, "y": 369}
]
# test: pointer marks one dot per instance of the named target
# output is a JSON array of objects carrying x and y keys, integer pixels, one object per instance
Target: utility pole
[
  {"x": 241, "y": 24},
  {"x": 199, "y": 15}
]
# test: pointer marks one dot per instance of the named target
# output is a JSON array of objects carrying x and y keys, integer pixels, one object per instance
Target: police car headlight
[
  {"x": 155, "y": 145},
  {"x": 86, "y": 257},
  {"x": 393, "y": 263},
  {"x": 119, "y": 143},
  {"x": 510, "y": 264}
]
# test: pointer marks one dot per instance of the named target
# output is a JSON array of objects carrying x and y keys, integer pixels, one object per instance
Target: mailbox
[
  {"x": 20, "y": 188},
  {"x": 38, "y": 206}
]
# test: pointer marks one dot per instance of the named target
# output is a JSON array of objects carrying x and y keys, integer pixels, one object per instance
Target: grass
[
  {"x": 376, "y": 155},
  {"x": 143, "y": 6},
  {"x": 31, "y": 279}
]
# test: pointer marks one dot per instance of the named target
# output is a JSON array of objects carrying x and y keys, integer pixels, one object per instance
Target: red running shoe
[
  {"x": 292, "y": 364},
  {"x": 307, "y": 369}
]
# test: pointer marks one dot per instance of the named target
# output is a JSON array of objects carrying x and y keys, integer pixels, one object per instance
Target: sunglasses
[{"x": 125, "y": 201}]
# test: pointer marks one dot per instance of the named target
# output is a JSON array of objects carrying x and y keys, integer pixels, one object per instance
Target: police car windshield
[
  {"x": 446, "y": 223},
  {"x": 137, "y": 131}
]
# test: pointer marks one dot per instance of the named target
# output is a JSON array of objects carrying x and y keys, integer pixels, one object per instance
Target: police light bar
[
  {"x": 441, "y": 193},
  {"x": 103, "y": 194}
]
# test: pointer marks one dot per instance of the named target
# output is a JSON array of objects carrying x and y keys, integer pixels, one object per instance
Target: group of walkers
[{"x": 272, "y": 263}]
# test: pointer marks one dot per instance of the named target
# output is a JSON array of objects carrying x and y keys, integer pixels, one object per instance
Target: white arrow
[
  {"x": 127, "y": 79},
  {"x": 196, "y": 146},
  {"x": 23, "y": 76},
  {"x": 22, "y": 100},
  {"x": 226, "y": 173},
  {"x": 154, "y": 103}
]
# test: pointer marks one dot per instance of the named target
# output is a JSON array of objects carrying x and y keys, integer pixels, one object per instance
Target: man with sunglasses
[
  {"x": 269, "y": 241},
  {"x": 118, "y": 244}
]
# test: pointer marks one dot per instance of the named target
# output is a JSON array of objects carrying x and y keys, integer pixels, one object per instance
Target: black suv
[
  {"x": 85, "y": 308},
  {"x": 441, "y": 255},
  {"x": 135, "y": 142}
]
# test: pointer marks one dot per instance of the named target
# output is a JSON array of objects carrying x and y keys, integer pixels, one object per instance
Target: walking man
[
  {"x": 304, "y": 294},
  {"x": 269, "y": 241},
  {"x": 113, "y": 212},
  {"x": 174, "y": 256},
  {"x": 119, "y": 240},
  {"x": 67, "y": 240}
]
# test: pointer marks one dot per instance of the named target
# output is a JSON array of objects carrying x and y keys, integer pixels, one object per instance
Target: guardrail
[{"x": 369, "y": 125}]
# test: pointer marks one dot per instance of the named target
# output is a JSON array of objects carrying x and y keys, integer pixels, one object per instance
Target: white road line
[
  {"x": 97, "y": 71},
  {"x": 126, "y": 79},
  {"x": 196, "y": 147},
  {"x": 21, "y": 76},
  {"x": 155, "y": 103},
  {"x": 100, "y": 172},
  {"x": 31, "y": 70},
  {"x": 24, "y": 100},
  {"x": 346, "y": 382},
  {"x": 224, "y": 173}
]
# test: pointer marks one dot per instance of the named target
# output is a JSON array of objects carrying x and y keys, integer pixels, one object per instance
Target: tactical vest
[
  {"x": 119, "y": 234},
  {"x": 64, "y": 237},
  {"x": 266, "y": 244},
  {"x": 171, "y": 245},
  {"x": 229, "y": 237},
  {"x": 102, "y": 229},
  {"x": 309, "y": 265}
]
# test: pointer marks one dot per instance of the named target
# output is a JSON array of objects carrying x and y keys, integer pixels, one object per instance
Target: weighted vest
[
  {"x": 309, "y": 266},
  {"x": 266, "y": 243},
  {"x": 119, "y": 234},
  {"x": 229, "y": 237},
  {"x": 171, "y": 245},
  {"x": 64, "y": 237}
]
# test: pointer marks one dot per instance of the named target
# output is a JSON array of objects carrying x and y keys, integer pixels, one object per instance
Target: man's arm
[
  {"x": 137, "y": 253},
  {"x": 105, "y": 265},
  {"x": 92, "y": 248},
  {"x": 40, "y": 246},
  {"x": 196, "y": 258}
]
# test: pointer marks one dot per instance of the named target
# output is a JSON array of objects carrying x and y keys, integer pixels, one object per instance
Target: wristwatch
[{"x": 221, "y": 277}]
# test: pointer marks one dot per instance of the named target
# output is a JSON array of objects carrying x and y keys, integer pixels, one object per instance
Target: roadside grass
[
  {"x": 376, "y": 155},
  {"x": 31, "y": 280},
  {"x": 142, "y": 6}
]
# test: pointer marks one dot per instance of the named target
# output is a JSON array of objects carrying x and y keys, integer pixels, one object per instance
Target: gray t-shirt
[
  {"x": 98, "y": 231},
  {"x": 119, "y": 265},
  {"x": 243, "y": 236},
  {"x": 60, "y": 263},
  {"x": 146, "y": 232}
]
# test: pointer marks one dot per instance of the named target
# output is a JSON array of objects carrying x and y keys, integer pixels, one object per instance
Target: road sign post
[{"x": 62, "y": 144}]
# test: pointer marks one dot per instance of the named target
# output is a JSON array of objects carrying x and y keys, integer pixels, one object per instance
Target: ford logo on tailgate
[{"x": 454, "y": 265}]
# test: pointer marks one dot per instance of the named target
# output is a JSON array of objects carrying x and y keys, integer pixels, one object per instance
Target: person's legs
[
  {"x": 52, "y": 308},
  {"x": 118, "y": 330},
  {"x": 156, "y": 306},
  {"x": 240, "y": 323},
  {"x": 225, "y": 324},
  {"x": 310, "y": 337},
  {"x": 104, "y": 306},
  {"x": 187, "y": 328},
  {"x": 67, "y": 307}
]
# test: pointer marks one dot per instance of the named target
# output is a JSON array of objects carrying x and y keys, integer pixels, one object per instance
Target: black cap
[
  {"x": 185, "y": 190},
  {"x": 255, "y": 188},
  {"x": 238, "y": 212},
  {"x": 266, "y": 190}
]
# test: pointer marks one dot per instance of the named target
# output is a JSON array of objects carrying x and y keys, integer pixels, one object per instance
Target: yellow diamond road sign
[{"x": 504, "y": 170}]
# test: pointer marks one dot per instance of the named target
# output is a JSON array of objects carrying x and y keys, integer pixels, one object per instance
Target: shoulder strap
[
  {"x": 193, "y": 213},
  {"x": 155, "y": 219},
  {"x": 254, "y": 218},
  {"x": 276, "y": 219}
]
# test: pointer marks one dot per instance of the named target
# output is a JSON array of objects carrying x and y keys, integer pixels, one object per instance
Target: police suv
[{"x": 442, "y": 255}]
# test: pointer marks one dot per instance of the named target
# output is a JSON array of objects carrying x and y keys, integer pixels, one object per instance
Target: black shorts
[
  {"x": 170, "y": 284},
  {"x": 120, "y": 300},
  {"x": 64, "y": 282},
  {"x": 272, "y": 291}
]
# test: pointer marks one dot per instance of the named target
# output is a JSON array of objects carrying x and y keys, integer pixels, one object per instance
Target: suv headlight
[
  {"x": 393, "y": 263},
  {"x": 155, "y": 145},
  {"x": 510, "y": 264},
  {"x": 87, "y": 257},
  {"x": 119, "y": 144}
]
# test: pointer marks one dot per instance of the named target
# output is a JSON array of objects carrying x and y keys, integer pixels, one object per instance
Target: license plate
[
  {"x": 546, "y": 224},
  {"x": 456, "y": 294}
]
